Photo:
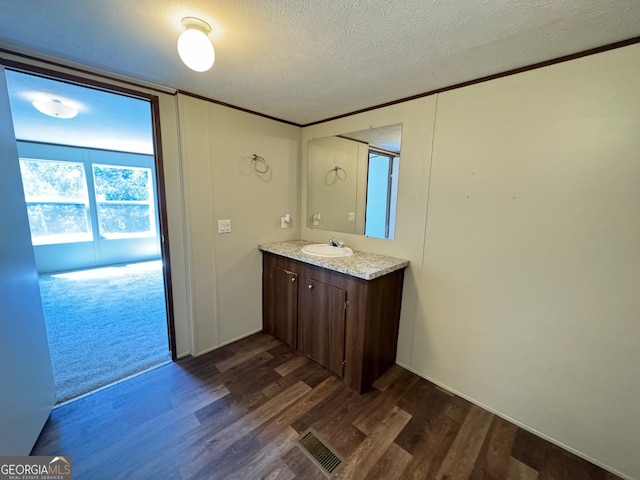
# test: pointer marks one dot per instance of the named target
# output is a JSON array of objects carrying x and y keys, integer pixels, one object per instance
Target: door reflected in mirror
[{"x": 352, "y": 182}]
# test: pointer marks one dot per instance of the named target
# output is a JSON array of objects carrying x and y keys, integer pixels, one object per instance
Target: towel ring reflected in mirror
[
  {"x": 259, "y": 164},
  {"x": 339, "y": 173}
]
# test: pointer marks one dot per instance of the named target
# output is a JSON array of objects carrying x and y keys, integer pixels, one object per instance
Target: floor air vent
[{"x": 319, "y": 451}]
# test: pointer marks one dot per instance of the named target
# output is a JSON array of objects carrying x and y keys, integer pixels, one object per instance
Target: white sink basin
[{"x": 326, "y": 250}]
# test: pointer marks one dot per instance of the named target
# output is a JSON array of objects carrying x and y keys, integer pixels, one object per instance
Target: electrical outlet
[
  {"x": 224, "y": 226},
  {"x": 351, "y": 217}
]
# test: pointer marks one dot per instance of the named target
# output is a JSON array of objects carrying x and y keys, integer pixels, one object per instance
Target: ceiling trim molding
[
  {"x": 235, "y": 107},
  {"x": 546, "y": 63},
  {"x": 54, "y": 62}
]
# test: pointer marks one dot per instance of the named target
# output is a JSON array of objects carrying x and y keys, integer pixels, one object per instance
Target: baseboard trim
[{"x": 220, "y": 345}]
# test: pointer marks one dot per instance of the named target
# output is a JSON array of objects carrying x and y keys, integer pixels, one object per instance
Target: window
[
  {"x": 382, "y": 188},
  {"x": 124, "y": 199},
  {"x": 65, "y": 206},
  {"x": 57, "y": 201}
]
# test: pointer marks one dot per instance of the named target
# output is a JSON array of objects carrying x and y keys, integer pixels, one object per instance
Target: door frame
[{"x": 163, "y": 226}]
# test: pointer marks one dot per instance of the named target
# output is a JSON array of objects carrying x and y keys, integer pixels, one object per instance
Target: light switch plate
[{"x": 224, "y": 226}]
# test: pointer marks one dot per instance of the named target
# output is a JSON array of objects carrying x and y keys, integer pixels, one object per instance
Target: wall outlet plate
[
  {"x": 224, "y": 226},
  {"x": 351, "y": 217}
]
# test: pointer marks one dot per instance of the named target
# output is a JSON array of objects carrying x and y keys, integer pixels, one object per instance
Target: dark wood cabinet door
[
  {"x": 322, "y": 314},
  {"x": 283, "y": 304}
]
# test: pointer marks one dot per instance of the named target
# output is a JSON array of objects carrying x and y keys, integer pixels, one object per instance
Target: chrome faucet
[{"x": 336, "y": 243}]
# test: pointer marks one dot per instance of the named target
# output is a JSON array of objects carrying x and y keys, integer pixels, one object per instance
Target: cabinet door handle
[
  {"x": 310, "y": 287},
  {"x": 293, "y": 279}
]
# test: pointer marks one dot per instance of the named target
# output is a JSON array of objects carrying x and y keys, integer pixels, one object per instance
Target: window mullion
[{"x": 93, "y": 206}]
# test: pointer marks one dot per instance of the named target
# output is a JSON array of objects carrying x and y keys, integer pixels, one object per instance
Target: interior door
[{"x": 28, "y": 391}]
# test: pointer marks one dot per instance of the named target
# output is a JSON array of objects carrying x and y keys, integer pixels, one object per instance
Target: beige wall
[
  {"x": 523, "y": 292},
  {"x": 219, "y": 183},
  {"x": 531, "y": 274}
]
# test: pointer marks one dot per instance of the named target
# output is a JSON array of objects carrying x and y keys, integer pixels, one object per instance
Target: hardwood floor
[{"x": 236, "y": 413}]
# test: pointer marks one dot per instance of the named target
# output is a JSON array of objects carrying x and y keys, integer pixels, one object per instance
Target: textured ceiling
[{"x": 305, "y": 61}]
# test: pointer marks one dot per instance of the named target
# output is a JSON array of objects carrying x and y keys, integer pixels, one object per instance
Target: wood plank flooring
[{"x": 236, "y": 413}]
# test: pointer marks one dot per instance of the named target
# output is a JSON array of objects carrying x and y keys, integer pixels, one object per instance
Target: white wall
[
  {"x": 219, "y": 183},
  {"x": 26, "y": 376},
  {"x": 527, "y": 275}
]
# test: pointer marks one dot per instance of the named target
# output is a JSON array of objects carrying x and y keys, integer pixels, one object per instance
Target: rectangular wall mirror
[{"x": 352, "y": 181}]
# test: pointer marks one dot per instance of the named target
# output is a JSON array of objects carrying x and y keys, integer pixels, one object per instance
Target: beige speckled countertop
[{"x": 361, "y": 264}]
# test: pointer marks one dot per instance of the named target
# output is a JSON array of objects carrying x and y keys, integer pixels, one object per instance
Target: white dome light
[
  {"x": 55, "y": 108},
  {"x": 194, "y": 47}
]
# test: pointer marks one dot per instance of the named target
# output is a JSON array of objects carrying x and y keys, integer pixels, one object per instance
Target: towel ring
[
  {"x": 339, "y": 172},
  {"x": 339, "y": 175},
  {"x": 255, "y": 159}
]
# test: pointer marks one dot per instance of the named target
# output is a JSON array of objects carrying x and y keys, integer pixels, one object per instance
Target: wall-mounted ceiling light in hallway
[
  {"x": 55, "y": 108},
  {"x": 194, "y": 46}
]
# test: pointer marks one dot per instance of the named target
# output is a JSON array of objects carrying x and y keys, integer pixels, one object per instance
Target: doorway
[{"x": 89, "y": 164}]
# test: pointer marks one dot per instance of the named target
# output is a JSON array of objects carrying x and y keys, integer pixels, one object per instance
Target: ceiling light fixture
[
  {"x": 194, "y": 47},
  {"x": 55, "y": 108}
]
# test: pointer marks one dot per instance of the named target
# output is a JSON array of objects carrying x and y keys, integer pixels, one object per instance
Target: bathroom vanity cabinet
[
  {"x": 280, "y": 300},
  {"x": 347, "y": 324}
]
